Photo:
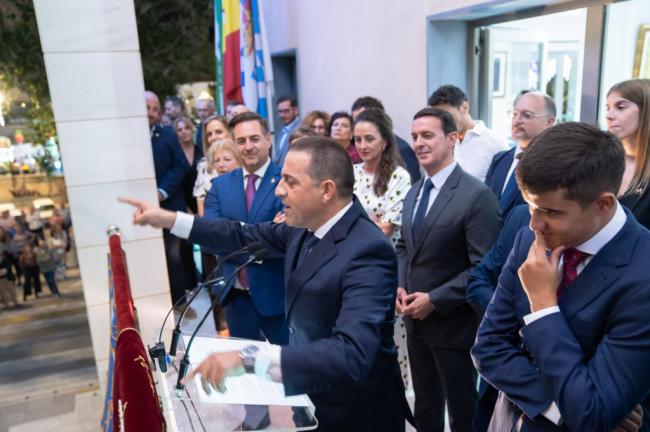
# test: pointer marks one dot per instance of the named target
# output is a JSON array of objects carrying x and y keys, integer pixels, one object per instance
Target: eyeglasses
[{"x": 525, "y": 116}]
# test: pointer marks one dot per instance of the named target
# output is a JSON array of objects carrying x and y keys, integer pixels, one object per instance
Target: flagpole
[{"x": 218, "y": 49}]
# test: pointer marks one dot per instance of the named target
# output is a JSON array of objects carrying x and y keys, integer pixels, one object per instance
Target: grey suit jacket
[{"x": 460, "y": 227}]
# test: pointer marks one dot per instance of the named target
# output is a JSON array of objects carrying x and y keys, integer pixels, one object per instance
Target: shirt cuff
[
  {"x": 553, "y": 414},
  {"x": 163, "y": 193},
  {"x": 182, "y": 225},
  {"x": 534, "y": 316},
  {"x": 267, "y": 363}
]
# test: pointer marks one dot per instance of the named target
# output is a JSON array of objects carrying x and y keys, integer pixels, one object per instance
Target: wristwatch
[{"x": 247, "y": 356}]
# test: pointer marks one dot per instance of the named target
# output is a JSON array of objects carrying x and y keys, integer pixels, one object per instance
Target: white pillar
[{"x": 94, "y": 71}]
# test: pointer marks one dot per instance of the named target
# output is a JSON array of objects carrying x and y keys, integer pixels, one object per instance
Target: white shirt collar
[
  {"x": 261, "y": 171},
  {"x": 606, "y": 233},
  {"x": 327, "y": 226},
  {"x": 478, "y": 129},
  {"x": 293, "y": 122},
  {"x": 518, "y": 150},
  {"x": 439, "y": 178}
]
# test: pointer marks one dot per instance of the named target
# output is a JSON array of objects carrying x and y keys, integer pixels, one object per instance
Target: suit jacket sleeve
[
  {"x": 598, "y": 394},
  {"x": 348, "y": 355},
  {"x": 224, "y": 236},
  {"x": 482, "y": 225},
  {"x": 173, "y": 178},
  {"x": 498, "y": 354},
  {"x": 485, "y": 277},
  {"x": 212, "y": 209}
]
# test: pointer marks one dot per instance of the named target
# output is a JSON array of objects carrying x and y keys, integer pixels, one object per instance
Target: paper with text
[{"x": 244, "y": 389}]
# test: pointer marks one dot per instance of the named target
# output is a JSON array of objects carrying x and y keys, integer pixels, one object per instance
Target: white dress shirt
[
  {"x": 475, "y": 152},
  {"x": 438, "y": 180},
  {"x": 513, "y": 165},
  {"x": 591, "y": 247}
]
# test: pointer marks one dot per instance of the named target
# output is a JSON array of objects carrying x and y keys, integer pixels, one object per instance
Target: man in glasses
[{"x": 533, "y": 112}]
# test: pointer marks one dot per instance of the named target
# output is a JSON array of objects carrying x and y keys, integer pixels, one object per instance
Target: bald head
[
  {"x": 153, "y": 107},
  {"x": 533, "y": 112}
]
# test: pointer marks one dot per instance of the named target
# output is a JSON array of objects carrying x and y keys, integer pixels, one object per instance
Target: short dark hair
[
  {"x": 248, "y": 116},
  {"x": 577, "y": 157},
  {"x": 328, "y": 161},
  {"x": 232, "y": 103},
  {"x": 292, "y": 100},
  {"x": 367, "y": 102},
  {"x": 447, "y": 95},
  {"x": 448, "y": 123},
  {"x": 337, "y": 115},
  {"x": 300, "y": 132},
  {"x": 175, "y": 100}
]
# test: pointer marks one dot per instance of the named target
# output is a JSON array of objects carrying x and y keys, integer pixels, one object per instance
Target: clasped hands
[{"x": 417, "y": 305}]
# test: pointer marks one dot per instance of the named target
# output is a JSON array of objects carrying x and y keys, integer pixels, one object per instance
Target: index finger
[
  {"x": 189, "y": 376},
  {"x": 132, "y": 201}
]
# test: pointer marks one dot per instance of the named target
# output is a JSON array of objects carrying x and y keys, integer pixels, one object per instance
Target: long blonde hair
[{"x": 637, "y": 91}]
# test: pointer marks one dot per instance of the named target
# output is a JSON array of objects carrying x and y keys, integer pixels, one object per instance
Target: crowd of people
[
  {"x": 453, "y": 206},
  {"x": 31, "y": 246}
]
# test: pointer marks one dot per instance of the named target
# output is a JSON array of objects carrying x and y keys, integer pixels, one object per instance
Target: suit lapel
[
  {"x": 604, "y": 268},
  {"x": 324, "y": 251},
  {"x": 321, "y": 254},
  {"x": 236, "y": 192},
  {"x": 407, "y": 216},
  {"x": 267, "y": 186},
  {"x": 440, "y": 203},
  {"x": 504, "y": 167}
]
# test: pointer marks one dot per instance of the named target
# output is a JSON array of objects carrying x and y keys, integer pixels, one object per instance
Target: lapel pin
[{"x": 273, "y": 180}]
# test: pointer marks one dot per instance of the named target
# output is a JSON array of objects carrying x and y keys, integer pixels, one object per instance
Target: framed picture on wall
[
  {"x": 642, "y": 54},
  {"x": 499, "y": 64}
]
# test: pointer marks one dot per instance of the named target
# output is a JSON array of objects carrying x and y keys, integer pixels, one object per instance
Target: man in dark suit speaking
[
  {"x": 340, "y": 279},
  {"x": 566, "y": 337}
]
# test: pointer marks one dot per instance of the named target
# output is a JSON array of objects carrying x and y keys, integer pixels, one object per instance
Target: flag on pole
[
  {"x": 106, "y": 423},
  {"x": 247, "y": 71}
]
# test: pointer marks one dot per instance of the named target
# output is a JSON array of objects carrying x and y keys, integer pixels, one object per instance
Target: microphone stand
[{"x": 185, "y": 361}]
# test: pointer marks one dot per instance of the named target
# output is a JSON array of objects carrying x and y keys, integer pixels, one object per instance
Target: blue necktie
[
  {"x": 510, "y": 189},
  {"x": 421, "y": 212},
  {"x": 307, "y": 245}
]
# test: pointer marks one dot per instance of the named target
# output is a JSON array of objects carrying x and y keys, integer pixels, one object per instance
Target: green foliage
[{"x": 176, "y": 42}]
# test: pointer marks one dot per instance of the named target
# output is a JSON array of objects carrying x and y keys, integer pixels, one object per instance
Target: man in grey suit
[{"x": 450, "y": 221}]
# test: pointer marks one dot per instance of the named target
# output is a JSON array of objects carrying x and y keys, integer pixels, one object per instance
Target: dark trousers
[
  {"x": 51, "y": 282},
  {"x": 32, "y": 275},
  {"x": 175, "y": 268},
  {"x": 384, "y": 412},
  {"x": 245, "y": 322},
  {"x": 441, "y": 375},
  {"x": 15, "y": 263},
  {"x": 209, "y": 264}
]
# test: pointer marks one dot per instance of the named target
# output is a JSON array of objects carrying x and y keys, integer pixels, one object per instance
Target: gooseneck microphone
[
  {"x": 258, "y": 255},
  {"x": 158, "y": 351}
]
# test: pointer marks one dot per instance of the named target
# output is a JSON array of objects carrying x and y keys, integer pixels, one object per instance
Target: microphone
[
  {"x": 158, "y": 351},
  {"x": 258, "y": 255}
]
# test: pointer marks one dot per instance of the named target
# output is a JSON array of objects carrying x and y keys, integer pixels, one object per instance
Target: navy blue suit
[
  {"x": 170, "y": 165},
  {"x": 340, "y": 305},
  {"x": 171, "y": 168},
  {"x": 510, "y": 197},
  {"x": 480, "y": 289},
  {"x": 591, "y": 358},
  {"x": 408, "y": 157},
  {"x": 263, "y": 308}
]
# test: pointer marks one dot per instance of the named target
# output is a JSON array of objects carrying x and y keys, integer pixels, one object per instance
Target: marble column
[{"x": 94, "y": 72}]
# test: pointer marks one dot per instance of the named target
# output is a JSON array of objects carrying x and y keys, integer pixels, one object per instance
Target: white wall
[
  {"x": 92, "y": 60},
  {"x": 348, "y": 49},
  {"x": 622, "y": 30}
]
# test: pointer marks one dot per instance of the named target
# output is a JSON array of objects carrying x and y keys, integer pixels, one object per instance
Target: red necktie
[
  {"x": 572, "y": 257},
  {"x": 250, "y": 196}
]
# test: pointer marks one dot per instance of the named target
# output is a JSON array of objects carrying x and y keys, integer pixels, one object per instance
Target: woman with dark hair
[
  {"x": 381, "y": 184},
  {"x": 316, "y": 121},
  {"x": 340, "y": 130},
  {"x": 184, "y": 128},
  {"x": 628, "y": 117}
]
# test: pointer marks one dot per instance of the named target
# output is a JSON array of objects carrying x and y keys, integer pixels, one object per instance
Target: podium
[{"x": 189, "y": 409}]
